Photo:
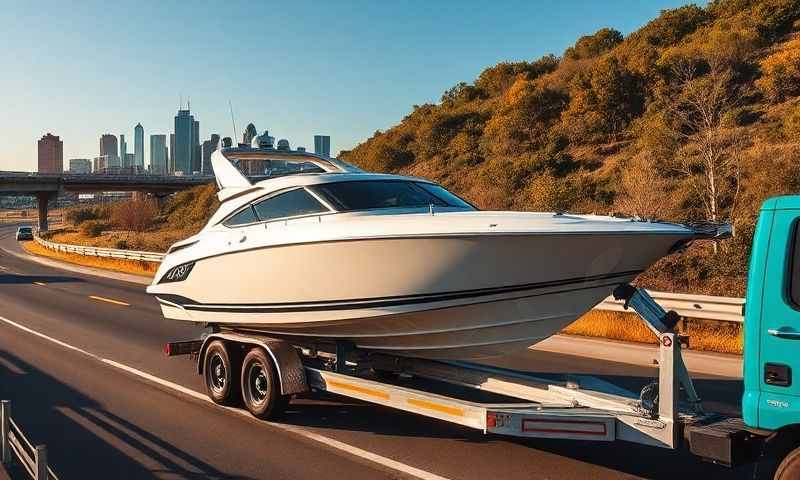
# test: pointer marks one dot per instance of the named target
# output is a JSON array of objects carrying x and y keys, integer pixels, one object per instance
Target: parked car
[{"x": 24, "y": 233}]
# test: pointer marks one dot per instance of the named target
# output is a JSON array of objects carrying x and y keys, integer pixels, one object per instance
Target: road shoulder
[
  {"x": 717, "y": 364},
  {"x": 71, "y": 267}
]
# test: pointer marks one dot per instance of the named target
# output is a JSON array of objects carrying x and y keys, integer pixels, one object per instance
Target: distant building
[
  {"x": 138, "y": 146},
  {"x": 187, "y": 143},
  {"x": 249, "y": 134},
  {"x": 322, "y": 145},
  {"x": 123, "y": 151},
  {"x": 51, "y": 154},
  {"x": 80, "y": 165},
  {"x": 108, "y": 149},
  {"x": 158, "y": 155},
  {"x": 209, "y": 146},
  {"x": 101, "y": 163},
  {"x": 197, "y": 153},
  {"x": 130, "y": 162},
  {"x": 171, "y": 165}
]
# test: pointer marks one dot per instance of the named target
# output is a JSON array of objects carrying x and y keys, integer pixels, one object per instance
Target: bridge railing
[{"x": 100, "y": 251}]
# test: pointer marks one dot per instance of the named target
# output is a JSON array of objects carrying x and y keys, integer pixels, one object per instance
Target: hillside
[{"x": 694, "y": 116}]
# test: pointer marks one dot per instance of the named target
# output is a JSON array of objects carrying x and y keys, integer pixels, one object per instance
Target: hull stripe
[{"x": 189, "y": 304}]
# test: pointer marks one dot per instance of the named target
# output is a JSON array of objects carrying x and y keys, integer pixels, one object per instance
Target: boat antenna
[{"x": 232, "y": 120}]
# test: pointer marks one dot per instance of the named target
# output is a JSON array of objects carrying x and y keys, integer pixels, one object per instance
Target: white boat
[{"x": 393, "y": 263}]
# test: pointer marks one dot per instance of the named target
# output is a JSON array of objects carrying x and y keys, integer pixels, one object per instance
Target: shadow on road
[
  {"x": 633, "y": 459},
  {"x": 84, "y": 439},
  {"x": 18, "y": 279}
]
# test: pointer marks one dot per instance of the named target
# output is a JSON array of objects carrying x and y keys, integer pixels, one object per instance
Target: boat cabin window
[
  {"x": 289, "y": 204},
  {"x": 366, "y": 195},
  {"x": 243, "y": 217}
]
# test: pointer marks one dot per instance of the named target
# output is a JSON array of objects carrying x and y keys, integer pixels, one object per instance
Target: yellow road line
[
  {"x": 41, "y": 284},
  {"x": 109, "y": 300}
]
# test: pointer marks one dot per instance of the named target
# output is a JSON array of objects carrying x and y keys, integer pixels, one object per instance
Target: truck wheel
[
  {"x": 789, "y": 468},
  {"x": 261, "y": 390},
  {"x": 221, "y": 374}
]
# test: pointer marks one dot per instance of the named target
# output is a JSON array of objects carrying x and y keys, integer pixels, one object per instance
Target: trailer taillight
[{"x": 190, "y": 347}]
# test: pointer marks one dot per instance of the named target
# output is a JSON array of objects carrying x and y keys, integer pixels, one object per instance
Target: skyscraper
[
  {"x": 322, "y": 145},
  {"x": 108, "y": 149},
  {"x": 138, "y": 146},
  {"x": 171, "y": 165},
  {"x": 123, "y": 151},
  {"x": 197, "y": 154},
  {"x": 158, "y": 154},
  {"x": 208, "y": 148},
  {"x": 51, "y": 154},
  {"x": 187, "y": 151}
]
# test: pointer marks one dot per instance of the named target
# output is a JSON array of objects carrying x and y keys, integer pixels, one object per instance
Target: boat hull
[{"x": 459, "y": 297}]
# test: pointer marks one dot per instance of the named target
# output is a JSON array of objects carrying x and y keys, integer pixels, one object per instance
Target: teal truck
[{"x": 771, "y": 400}]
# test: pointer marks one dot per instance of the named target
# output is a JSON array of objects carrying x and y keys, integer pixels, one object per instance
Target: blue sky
[{"x": 342, "y": 68}]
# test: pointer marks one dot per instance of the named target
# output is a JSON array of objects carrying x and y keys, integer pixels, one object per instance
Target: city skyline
[{"x": 363, "y": 75}]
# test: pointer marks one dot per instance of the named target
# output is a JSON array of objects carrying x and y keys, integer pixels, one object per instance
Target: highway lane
[{"x": 97, "y": 418}]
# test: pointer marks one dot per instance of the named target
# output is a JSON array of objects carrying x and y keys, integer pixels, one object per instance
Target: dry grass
[
  {"x": 155, "y": 241},
  {"x": 147, "y": 269},
  {"x": 705, "y": 335}
]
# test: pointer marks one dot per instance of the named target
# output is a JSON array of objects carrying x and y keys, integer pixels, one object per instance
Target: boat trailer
[{"x": 665, "y": 413}]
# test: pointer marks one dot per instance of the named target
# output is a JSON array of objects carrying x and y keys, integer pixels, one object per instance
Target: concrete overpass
[{"x": 46, "y": 186}]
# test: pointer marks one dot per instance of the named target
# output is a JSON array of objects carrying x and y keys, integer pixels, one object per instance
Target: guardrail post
[
  {"x": 5, "y": 425},
  {"x": 41, "y": 462}
]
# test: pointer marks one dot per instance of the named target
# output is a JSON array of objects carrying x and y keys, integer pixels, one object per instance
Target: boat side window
[
  {"x": 245, "y": 216},
  {"x": 372, "y": 194},
  {"x": 450, "y": 198},
  {"x": 288, "y": 204}
]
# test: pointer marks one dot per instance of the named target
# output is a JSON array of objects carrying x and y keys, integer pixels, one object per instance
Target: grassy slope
[{"x": 594, "y": 131}]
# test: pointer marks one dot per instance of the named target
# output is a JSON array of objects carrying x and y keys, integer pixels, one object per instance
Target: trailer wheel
[
  {"x": 221, "y": 372},
  {"x": 789, "y": 468},
  {"x": 261, "y": 390}
]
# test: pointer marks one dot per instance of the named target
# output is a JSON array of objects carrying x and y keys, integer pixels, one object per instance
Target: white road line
[{"x": 316, "y": 437}]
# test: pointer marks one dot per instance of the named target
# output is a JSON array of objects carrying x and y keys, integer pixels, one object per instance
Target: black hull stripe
[{"x": 385, "y": 301}]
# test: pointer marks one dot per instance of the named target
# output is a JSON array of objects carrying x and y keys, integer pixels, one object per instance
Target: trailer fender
[{"x": 291, "y": 373}]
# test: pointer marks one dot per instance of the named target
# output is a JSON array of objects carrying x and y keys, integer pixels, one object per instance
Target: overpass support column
[{"x": 42, "y": 199}]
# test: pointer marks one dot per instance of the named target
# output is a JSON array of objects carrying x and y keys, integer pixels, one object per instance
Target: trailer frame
[{"x": 579, "y": 407}]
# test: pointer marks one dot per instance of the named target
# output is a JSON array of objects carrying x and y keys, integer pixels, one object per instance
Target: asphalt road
[{"x": 85, "y": 398}]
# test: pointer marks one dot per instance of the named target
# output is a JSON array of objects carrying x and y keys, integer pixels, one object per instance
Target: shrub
[
  {"x": 781, "y": 72},
  {"x": 791, "y": 124},
  {"x": 92, "y": 228},
  {"x": 136, "y": 215},
  {"x": 121, "y": 244},
  {"x": 76, "y": 216}
]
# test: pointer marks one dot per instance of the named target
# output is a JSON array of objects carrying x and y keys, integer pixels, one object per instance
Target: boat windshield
[{"x": 367, "y": 195}]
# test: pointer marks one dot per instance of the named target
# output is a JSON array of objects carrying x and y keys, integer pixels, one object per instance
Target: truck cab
[{"x": 771, "y": 400}]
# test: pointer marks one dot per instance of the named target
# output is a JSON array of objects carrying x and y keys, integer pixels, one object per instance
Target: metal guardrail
[
  {"x": 15, "y": 446},
  {"x": 100, "y": 251},
  {"x": 725, "y": 309}
]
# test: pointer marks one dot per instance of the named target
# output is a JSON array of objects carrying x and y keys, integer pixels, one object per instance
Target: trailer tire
[
  {"x": 789, "y": 468},
  {"x": 221, "y": 373},
  {"x": 260, "y": 385}
]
